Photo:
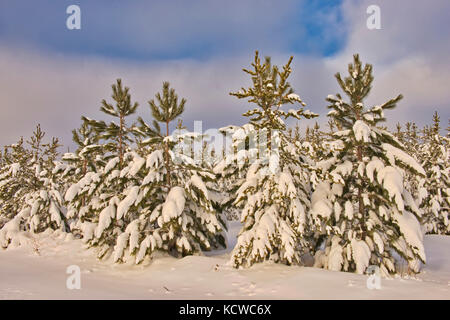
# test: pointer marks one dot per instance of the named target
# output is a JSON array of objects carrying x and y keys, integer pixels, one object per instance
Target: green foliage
[
  {"x": 434, "y": 153},
  {"x": 353, "y": 207},
  {"x": 273, "y": 189},
  {"x": 270, "y": 91},
  {"x": 116, "y": 136},
  {"x": 30, "y": 186},
  {"x": 168, "y": 108},
  {"x": 83, "y": 159},
  {"x": 130, "y": 193}
]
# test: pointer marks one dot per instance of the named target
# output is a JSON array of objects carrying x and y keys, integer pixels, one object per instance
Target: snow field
[{"x": 38, "y": 271}]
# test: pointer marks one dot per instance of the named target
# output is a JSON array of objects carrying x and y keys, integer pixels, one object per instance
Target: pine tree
[
  {"x": 96, "y": 196},
  {"x": 83, "y": 159},
  {"x": 86, "y": 158},
  {"x": 399, "y": 133},
  {"x": 362, "y": 207},
  {"x": 166, "y": 111},
  {"x": 313, "y": 144},
  {"x": 231, "y": 170},
  {"x": 436, "y": 201},
  {"x": 412, "y": 141},
  {"x": 318, "y": 145},
  {"x": 183, "y": 219},
  {"x": 117, "y": 135},
  {"x": 139, "y": 209},
  {"x": 30, "y": 191},
  {"x": 274, "y": 196},
  {"x": 14, "y": 174}
]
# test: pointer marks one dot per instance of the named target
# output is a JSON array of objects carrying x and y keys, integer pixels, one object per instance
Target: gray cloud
[
  {"x": 153, "y": 29},
  {"x": 409, "y": 58}
]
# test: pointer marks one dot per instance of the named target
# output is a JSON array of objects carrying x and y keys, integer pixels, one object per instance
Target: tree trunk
[
  {"x": 167, "y": 155},
  {"x": 360, "y": 199},
  {"x": 359, "y": 153},
  {"x": 84, "y": 170},
  {"x": 121, "y": 140}
]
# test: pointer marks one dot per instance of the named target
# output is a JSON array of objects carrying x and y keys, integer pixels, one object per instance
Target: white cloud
[
  {"x": 410, "y": 56},
  {"x": 56, "y": 90}
]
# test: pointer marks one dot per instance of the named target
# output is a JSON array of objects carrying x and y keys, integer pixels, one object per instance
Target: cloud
[
  {"x": 154, "y": 29},
  {"x": 55, "y": 90},
  {"x": 410, "y": 56}
]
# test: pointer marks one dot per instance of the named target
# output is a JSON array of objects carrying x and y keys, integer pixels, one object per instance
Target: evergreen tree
[
  {"x": 96, "y": 196},
  {"x": 231, "y": 170},
  {"x": 274, "y": 196},
  {"x": 14, "y": 174},
  {"x": 436, "y": 201},
  {"x": 362, "y": 207},
  {"x": 86, "y": 158},
  {"x": 313, "y": 144},
  {"x": 140, "y": 209},
  {"x": 166, "y": 111},
  {"x": 30, "y": 191},
  {"x": 318, "y": 145},
  {"x": 411, "y": 140},
  {"x": 399, "y": 133},
  {"x": 83, "y": 159},
  {"x": 183, "y": 219},
  {"x": 117, "y": 136}
]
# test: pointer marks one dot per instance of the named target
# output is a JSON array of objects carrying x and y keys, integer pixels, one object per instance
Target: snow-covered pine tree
[
  {"x": 313, "y": 143},
  {"x": 179, "y": 217},
  {"x": 274, "y": 197},
  {"x": 411, "y": 139},
  {"x": 83, "y": 159},
  {"x": 317, "y": 145},
  {"x": 231, "y": 170},
  {"x": 30, "y": 191},
  {"x": 435, "y": 153},
  {"x": 116, "y": 136},
  {"x": 297, "y": 136},
  {"x": 80, "y": 162},
  {"x": 13, "y": 176},
  {"x": 3, "y": 155},
  {"x": 362, "y": 207},
  {"x": 96, "y": 198},
  {"x": 399, "y": 133},
  {"x": 140, "y": 209}
]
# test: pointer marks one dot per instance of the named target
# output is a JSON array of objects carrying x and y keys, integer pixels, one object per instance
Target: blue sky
[{"x": 52, "y": 75}]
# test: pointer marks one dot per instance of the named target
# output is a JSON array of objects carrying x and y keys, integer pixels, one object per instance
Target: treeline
[{"x": 350, "y": 196}]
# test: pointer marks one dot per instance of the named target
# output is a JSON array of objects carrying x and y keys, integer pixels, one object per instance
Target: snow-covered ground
[{"x": 39, "y": 272}]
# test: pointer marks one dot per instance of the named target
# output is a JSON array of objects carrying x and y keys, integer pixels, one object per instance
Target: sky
[{"x": 52, "y": 75}]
